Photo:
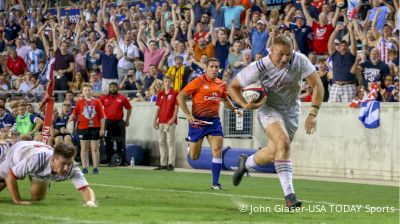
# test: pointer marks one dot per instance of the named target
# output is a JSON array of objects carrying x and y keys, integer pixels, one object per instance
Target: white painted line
[{"x": 220, "y": 193}]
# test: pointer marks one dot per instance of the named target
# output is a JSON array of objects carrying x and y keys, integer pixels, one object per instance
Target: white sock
[
  {"x": 251, "y": 162},
  {"x": 217, "y": 160},
  {"x": 284, "y": 171},
  {"x": 188, "y": 149}
]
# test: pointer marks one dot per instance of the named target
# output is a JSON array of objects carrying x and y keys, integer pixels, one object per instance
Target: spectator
[
  {"x": 152, "y": 55},
  {"x": 114, "y": 104},
  {"x": 372, "y": 70},
  {"x": 301, "y": 31},
  {"x": 81, "y": 61},
  {"x": 3, "y": 84},
  {"x": 34, "y": 57},
  {"x": 344, "y": 82},
  {"x": 11, "y": 31},
  {"x": 179, "y": 73},
  {"x": 6, "y": 122},
  {"x": 323, "y": 70},
  {"x": 150, "y": 77},
  {"x": 165, "y": 121},
  {"x": 89, "y": 114},
  {"x": 259, "y": 37},
  {"x": 232, "y": 13},
  {"x": 64, "y": 63},
  {"x": 321, "y": 29},
  {"x": 130, "y": 83},
  {"x": 155, "y": 88},
  {"x": 222, "y": 43},
  {"x": 109, "y": 62},
  {"x": 95, "y": 82},
  {"x": 22, "y": 49},
  {"x": 27, "y": 125},
  {"x": 15, "y": 65},
  {"x": 77, "y": 81}
]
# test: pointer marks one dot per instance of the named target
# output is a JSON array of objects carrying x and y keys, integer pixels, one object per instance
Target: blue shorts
[{"x": 197, "y": 133}]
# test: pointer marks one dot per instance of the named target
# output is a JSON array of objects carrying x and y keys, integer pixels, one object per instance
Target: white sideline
[{"x": 220, "y": 193}]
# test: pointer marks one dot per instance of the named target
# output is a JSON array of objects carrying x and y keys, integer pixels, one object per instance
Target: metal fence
[{"x": 238, "y": 127}]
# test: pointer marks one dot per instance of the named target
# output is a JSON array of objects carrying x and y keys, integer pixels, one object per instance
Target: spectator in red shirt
[
  {"x": 90, "y": 128},
  {"x": 15, "y": 64},
  {"x": 322, "y": 30},
  {"x": 114, "y": 104},
  {"x": 165, "y": 122}
]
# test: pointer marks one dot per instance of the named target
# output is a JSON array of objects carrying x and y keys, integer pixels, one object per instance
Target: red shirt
[
  {"x": 206, "y": 95},
  {"x": 17, "y": 66},
  {"x": 321, "y": 37},
  {"x": 166, "y": 102},
  {"x": 84, "y": 110},
  {"x": 110, "y": 31},
  {"x": 114, "y": 106}
]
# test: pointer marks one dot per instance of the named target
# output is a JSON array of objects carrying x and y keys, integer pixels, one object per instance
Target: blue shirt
[
  {"x": 380, "y": 23},
  {"x": 109, "y": 64},
  {"x": 301, "y": 35},
  {"x": 232, "y": 12},
  {"x": 11, "y": 31},
  {"x": 259, "y": 42},
  {"x": 61, "y": 122},
  {"x": 7, "y": 120},
  {"x": 341, "y": 65},
  {"x": 221, "y": 53}
]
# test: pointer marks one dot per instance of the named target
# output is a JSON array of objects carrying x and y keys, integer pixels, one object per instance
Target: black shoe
[
  {"x": 170, "y": 167},
  {"x": 241, "y": 170},
  {"x": 292, "y": 202},
  {"x": 161, "y": 168}
]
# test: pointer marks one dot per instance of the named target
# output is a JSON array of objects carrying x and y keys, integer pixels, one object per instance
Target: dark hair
[
  {"x": 65, "y": 150},
  {"x": 2, "y": 107},
  {"x": 210, "y": 60}
]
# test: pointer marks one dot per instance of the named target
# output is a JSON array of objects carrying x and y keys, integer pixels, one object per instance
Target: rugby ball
[{"x": 253, "y": 92}]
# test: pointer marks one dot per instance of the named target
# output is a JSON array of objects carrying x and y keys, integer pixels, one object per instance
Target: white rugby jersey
[
  {"x": 283, "y": 85},
  {"x": 33, "y": 158}
]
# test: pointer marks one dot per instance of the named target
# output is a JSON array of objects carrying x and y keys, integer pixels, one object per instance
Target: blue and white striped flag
[{"x": 369, "y": 113}]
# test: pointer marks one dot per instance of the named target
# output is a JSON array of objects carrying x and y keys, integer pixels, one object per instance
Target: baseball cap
[{"x": 260, "y": 21}]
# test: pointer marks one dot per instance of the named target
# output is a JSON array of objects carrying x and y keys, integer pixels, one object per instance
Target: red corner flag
[{"x": 47, "y": 105}]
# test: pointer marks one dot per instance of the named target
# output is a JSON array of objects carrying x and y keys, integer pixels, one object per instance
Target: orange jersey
[{"x": 206, "y": 95}]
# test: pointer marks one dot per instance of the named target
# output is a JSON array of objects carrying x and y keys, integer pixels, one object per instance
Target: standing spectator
[
  {"x": 321, "y": 29},
  {"x": 64, "y": 63},
  {"x": 222, "y": 43},
  {"x": 80, "y": 61},
  {"x": 152, "y": 55},
  {"x": 131, "y": 83},
  {"x": 344, "y": 82},
  {"x": 232, "y": 12},
  {"x": 130, "y": 52},
  {"x": 259, "y": 36},
  {"x": 372, "y": 70},
  {"x": 22, "y": 49},
  {"x": 165, "y": 121},
  {"x": 179, "y": 73},
  {"x": 301, "y": 31},
  {"x": 379, "y": 14},
  {"x": 11, "y": 31},
  {"x": 150, "y": 77},
  {"x": 109, "y": 62},
  {"x": 89, "y": 114},
  {"x": 34, "y": 57},
  {"x": 386, "y": 41},
  {"x": 114, "y": 104}
]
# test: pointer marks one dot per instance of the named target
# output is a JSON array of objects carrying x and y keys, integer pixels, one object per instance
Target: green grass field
[{"x": 127, "y": 195}]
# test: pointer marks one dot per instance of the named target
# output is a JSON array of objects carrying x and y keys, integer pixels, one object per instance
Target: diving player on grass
[
  {"x": 281, "y": 73},
  {"x": 41, "y": 163},
  {"x": 207, "y": 91}
]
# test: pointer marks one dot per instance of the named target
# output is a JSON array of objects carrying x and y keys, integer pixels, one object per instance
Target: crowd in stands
[{"x": 136, "y": 43}]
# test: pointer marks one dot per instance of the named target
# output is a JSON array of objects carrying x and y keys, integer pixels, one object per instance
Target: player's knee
[
  {"x": 283, "y": 145},
  {"x": 217, "y": 152}
]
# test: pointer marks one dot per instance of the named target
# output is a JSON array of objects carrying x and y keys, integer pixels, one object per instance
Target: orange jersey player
[{"x": 207, "y": 91}]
